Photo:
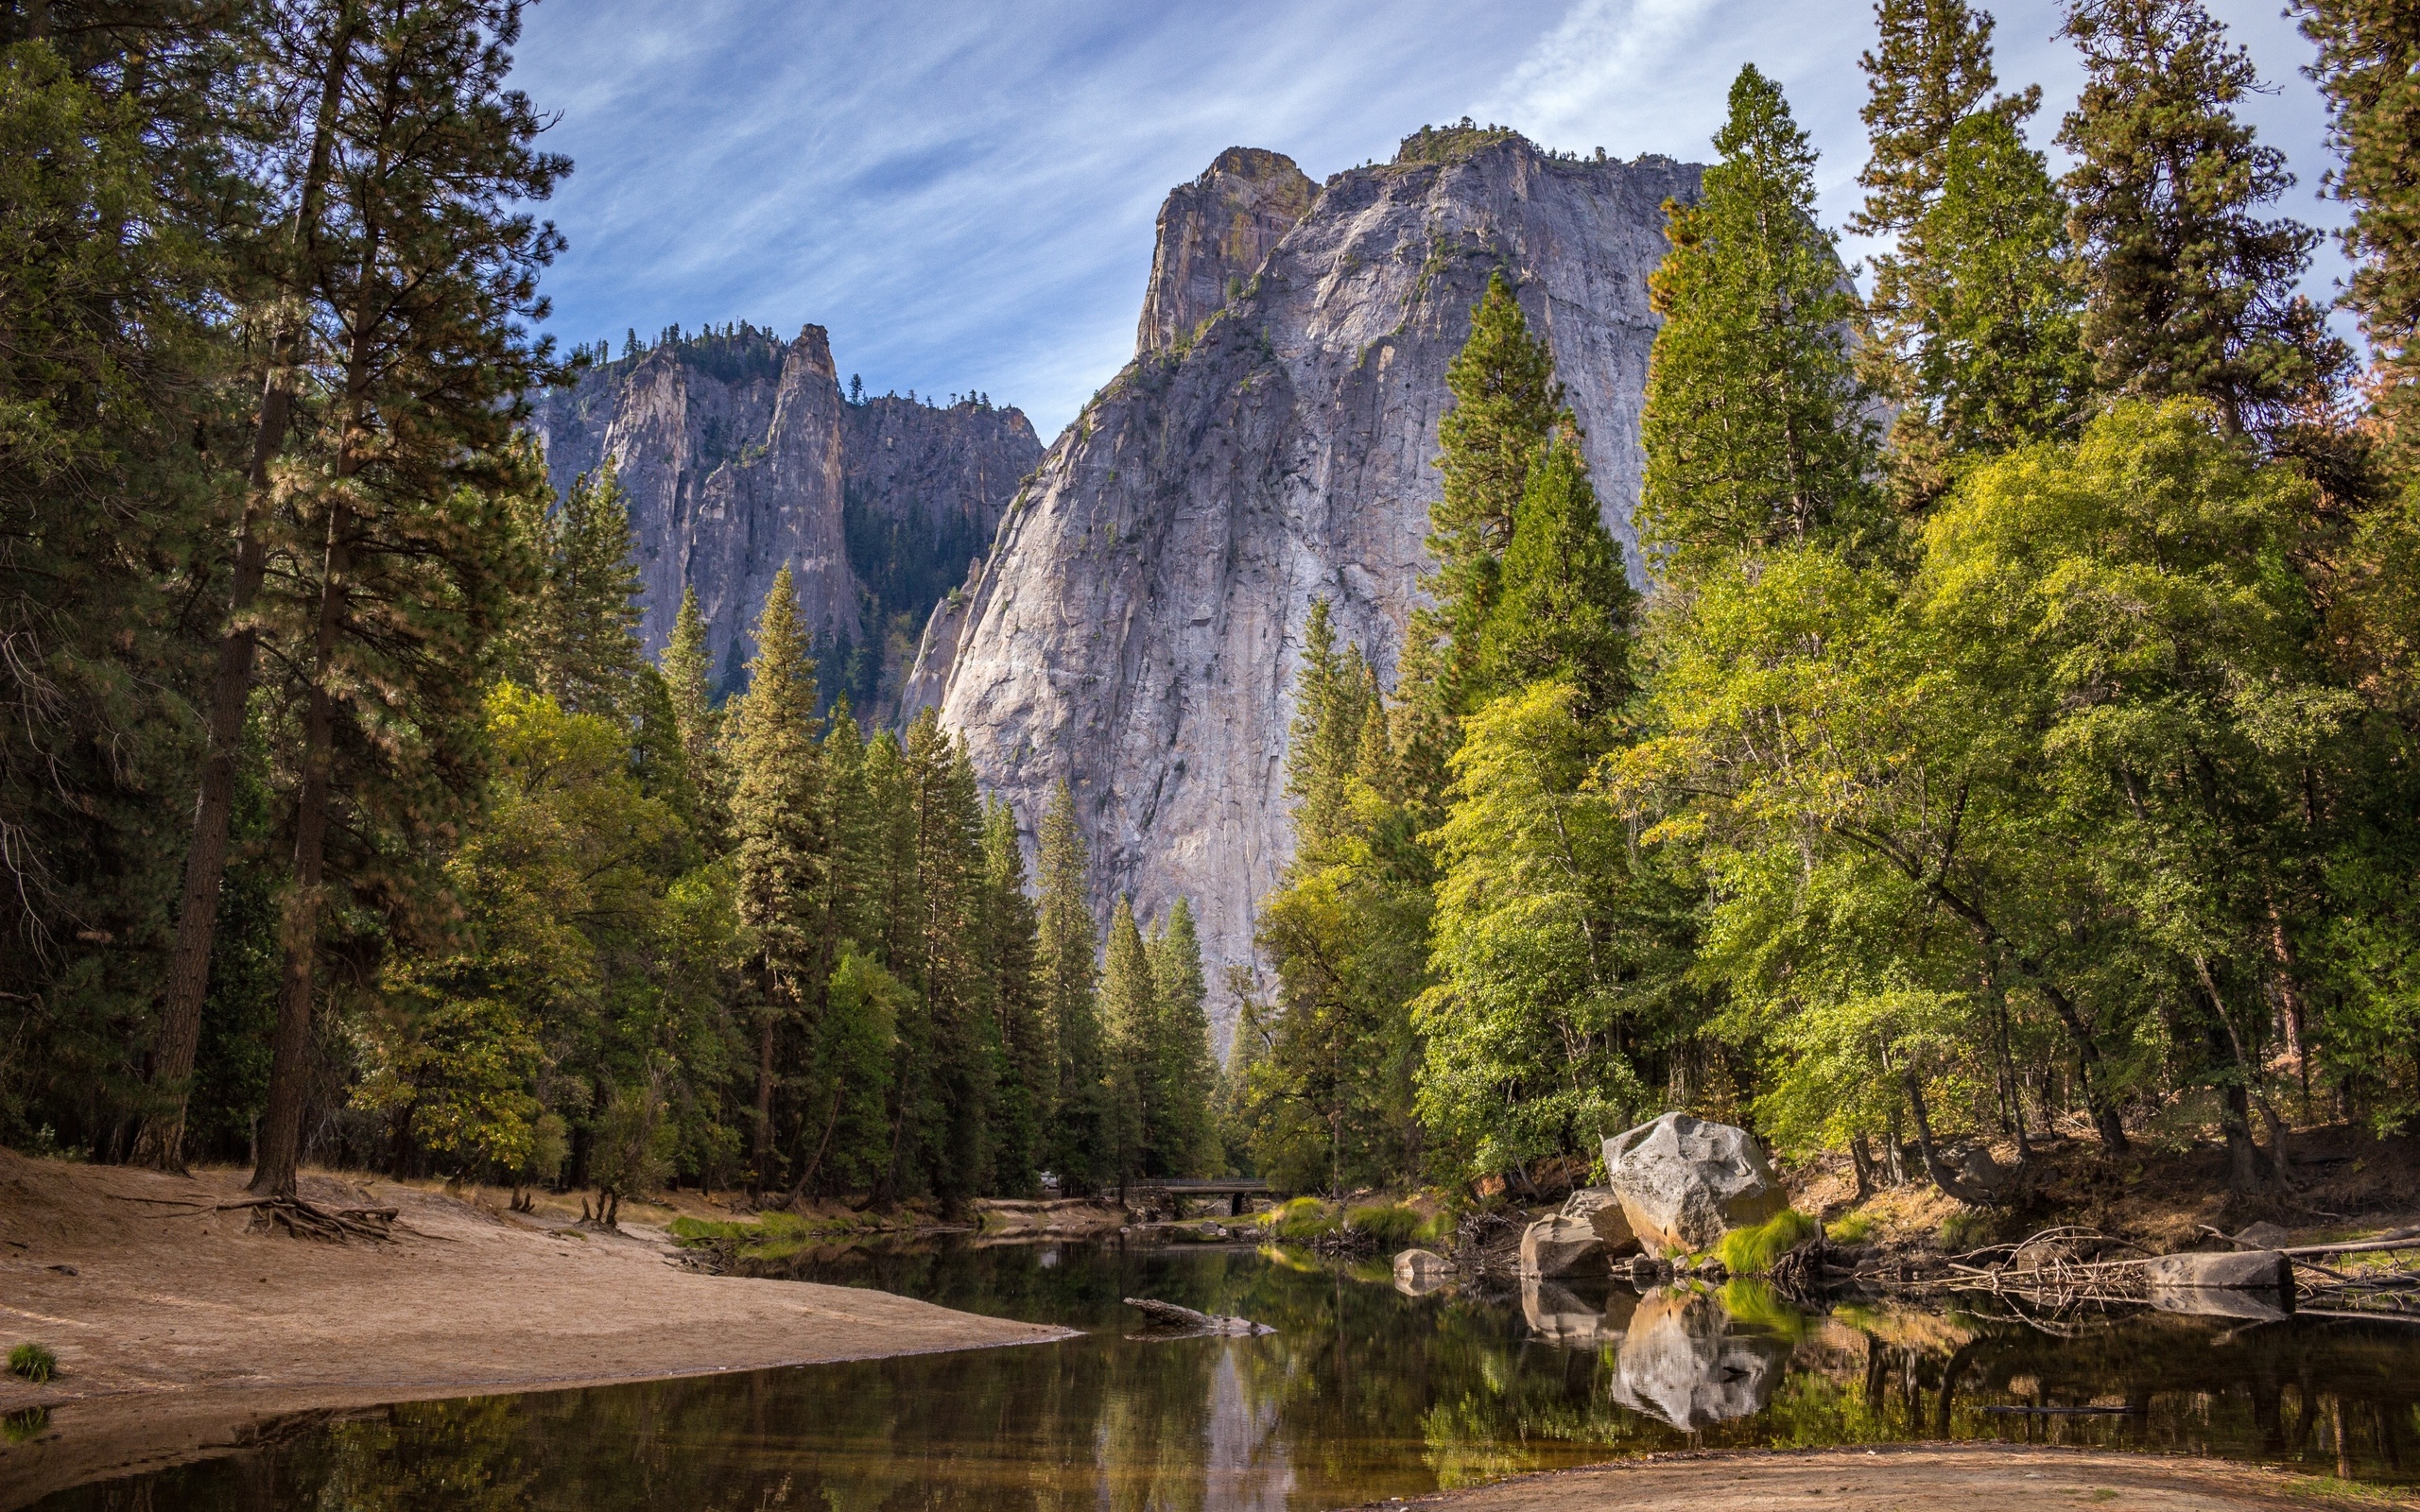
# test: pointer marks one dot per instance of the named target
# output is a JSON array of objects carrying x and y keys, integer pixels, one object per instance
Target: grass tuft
[
  {"x": 1298, "y": 1220},
  {"x": 1752, "y": 1251},
  {"x": 34, "y": 1362},
  {"x": 1962, "y": 1231},
  {"x": 1855, "y": 1228},
  {"x": 20, "y": 1427},
  {"x": 1389, "y": 1223}
]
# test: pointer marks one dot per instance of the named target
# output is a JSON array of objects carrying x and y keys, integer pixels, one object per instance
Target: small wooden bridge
[{"x": 1237, "y": 1189}]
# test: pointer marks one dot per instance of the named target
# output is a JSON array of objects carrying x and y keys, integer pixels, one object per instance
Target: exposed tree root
[{"x": 301, "y": 1219}]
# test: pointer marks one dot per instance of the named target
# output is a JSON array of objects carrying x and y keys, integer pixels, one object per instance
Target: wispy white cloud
[{"x": 964, "y": 192}]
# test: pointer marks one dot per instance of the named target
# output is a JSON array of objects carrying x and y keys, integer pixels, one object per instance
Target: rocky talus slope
[
  {"x": 739, "y": 453},
  {"x": 1136, "y": 627}
]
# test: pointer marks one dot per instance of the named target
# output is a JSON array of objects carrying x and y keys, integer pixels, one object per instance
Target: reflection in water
[
  {"x": 1362, "y": 1394},
  {"x": 1683, "y": 1361}
]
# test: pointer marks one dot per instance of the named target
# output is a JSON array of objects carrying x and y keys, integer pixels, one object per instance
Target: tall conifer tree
[
  {"x": 585, "y": 632},
  {"x": 1068, "y": 972},
  {"x": 1566, "y": 609},
  {"x": 2189, "y": 290},
  {"x": 1179, "y": 1140},
  {"x": 1506, "y": 404},
  {"x": 403, "y": 543},
  {"x": 1753, "y": 423},
  {"x": 1030, "y": 1053},
  {"x": 784, "y": 845},
  {"x": 1130, "y": 1034},
  {"x": 2369, "y": 70}
]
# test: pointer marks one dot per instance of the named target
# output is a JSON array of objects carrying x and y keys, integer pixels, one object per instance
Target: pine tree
[
  {"x": 1129, "y": 1032},
  {"x": 688, "y": 685},
  {"x": 1079, "y": 1146},
  {"x": 1328, "y": 702},
  {"x": 585, "y": 634},
  {"x": 784, "y": 847},
  {"x": 1565, "y": 610},
  {"x": 2001, "y": 360},
  {"x": 2369, "y": 70},
  {"x": 1029, "y": 1055},
  {"x": 962, "y": 1070},
  {"x": 1753, "y": 426},
  {"x": 404, "y": 545},
  {"x": 113, "y": 478},
  {"x": 2188, "y": 290},
  {"x": 287, "y": 278},
  {"x": 1180, "y": 1141},
  {"x": 1932, "y": 67},
  {"x": 1506, "y": 404}
]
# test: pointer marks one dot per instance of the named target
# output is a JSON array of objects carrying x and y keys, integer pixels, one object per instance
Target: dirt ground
[
  {"x": 180, "y": 1332},
  {"x": 2170, "y": 1198},
  {"x": 1919, "y": 1479}
]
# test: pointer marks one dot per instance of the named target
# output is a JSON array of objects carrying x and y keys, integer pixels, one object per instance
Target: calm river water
[{"x": 1362, "y": 1394}]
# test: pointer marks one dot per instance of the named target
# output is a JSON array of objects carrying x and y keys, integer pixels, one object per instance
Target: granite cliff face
[
  {"x": 741, "y": 453},
  {"x": 1136, "y": 627},
  {"x": 1214, "y": 234}
]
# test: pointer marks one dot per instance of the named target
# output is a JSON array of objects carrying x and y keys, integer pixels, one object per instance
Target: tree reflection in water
[{"x": 1362, "y": 1394}]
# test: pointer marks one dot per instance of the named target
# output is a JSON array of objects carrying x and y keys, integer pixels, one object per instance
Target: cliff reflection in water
[{"x": 1362, "y": 1394}]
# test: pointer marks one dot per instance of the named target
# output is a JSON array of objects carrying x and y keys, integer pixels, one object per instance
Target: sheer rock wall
[
  {"x": 741, "y": 453},
  {"x": 1136, "y": 627}
]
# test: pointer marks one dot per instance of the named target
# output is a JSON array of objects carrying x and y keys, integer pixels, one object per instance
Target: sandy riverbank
[
  {"x": 1919, "y": 1478},
  {"x": 178, "y": 1334}
]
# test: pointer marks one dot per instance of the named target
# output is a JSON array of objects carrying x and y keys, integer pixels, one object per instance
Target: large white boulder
[
  {"x": 1681, "y": 1360},
  {"x": 1683, "y": 1181}
]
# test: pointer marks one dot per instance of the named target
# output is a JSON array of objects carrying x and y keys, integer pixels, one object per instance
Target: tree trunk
[
  {"x": 281, "y": 1140},
  {"x": 1941, "y": 1176},
  {"x": 764, "y": 1150},
  {"x": 161, "y": 1143},
  {"x": 2248, "y": 1086},
  {"x": 1863, "y": 1160}
]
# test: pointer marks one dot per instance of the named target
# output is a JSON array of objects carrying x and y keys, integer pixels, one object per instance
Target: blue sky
[{"x": 964, "y": 192}]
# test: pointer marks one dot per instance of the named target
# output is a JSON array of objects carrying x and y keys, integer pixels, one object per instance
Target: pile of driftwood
[{"x": 2058, "y": 1272}]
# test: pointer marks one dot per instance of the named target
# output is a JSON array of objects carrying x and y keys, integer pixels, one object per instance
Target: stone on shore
[
  {"x": 1683, "y": 1182},
  {"x": 1561, "y": 1246},
  {"x": 1600, "y": 1208}
]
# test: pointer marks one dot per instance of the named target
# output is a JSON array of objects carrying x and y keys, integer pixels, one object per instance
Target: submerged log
[{"x": 1169, "y": 1315}]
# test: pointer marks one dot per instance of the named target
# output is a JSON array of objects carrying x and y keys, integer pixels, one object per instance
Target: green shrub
[
  {"x": 33, "y": 1362},
  {"x": 1854, "y": 1230},
  {"x": 18, "y": 1426},
  {"x": 1963, "y": 1230},
  {"x": 1389, "y": 1223},
  {"x": 1298, "y": 1220},
  {"x": 1752, "y": 1251}
]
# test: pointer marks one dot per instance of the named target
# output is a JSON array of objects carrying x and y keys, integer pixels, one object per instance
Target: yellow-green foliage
[
  {"x": 1752, "y": 1251},
  {"x": 1758, "y": 1306},
  {"x": 1389, "y": 1223},
  {"x": 1963, "y": 1230},
  {"x": 1855, "y": 1228},
  {"x": 773, "y": 1236},
  {"x": 1298, "y": 1220}
]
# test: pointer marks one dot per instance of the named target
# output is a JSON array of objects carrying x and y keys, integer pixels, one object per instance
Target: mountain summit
[{"x": 1136, "y": 628}]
